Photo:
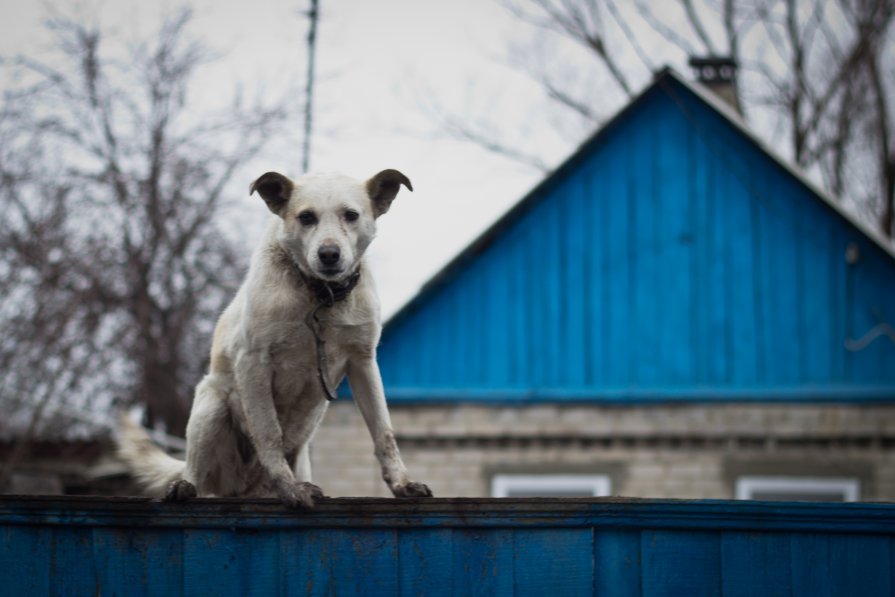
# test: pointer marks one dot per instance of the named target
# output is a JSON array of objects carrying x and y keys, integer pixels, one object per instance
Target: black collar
[
  {"x": 327, "y": 295},
  {"x": 330, "y": 293}
]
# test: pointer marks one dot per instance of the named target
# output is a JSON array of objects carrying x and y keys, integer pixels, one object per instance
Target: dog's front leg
[
  {"x": 369, "y": 395},
  {"x": 253, "y": 379}
]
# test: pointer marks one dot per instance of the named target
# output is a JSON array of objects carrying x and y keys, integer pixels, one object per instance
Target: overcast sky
[{"x": 383, "y": 65}]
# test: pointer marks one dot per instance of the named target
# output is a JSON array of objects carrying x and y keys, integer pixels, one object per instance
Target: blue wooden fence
[{"x": 607, "y": 547}]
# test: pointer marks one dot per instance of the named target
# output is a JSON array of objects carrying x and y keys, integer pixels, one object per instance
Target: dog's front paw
[
  {"x": 180, "y": 491},
  {"x": 412, "y": 489},
  {"x": 299, "y": 495}
]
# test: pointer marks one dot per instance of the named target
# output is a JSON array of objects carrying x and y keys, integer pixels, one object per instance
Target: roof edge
[
  {"x": 518, "y": 208},
  {"x": 661, "y": 75},
  {"x": 879, "y": 393},
  {"x": 731, "y": 115}
]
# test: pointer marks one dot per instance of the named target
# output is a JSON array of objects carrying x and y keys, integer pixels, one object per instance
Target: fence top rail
[{"x": 874, "y": 518}]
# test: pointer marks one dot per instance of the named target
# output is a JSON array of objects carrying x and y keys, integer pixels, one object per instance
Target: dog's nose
[{"x": 328, "y": 255}]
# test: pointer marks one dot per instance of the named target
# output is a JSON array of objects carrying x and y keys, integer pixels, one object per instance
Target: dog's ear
[
  {"x": 383, "y": 187},
  {"x": 274, "y": 188}
]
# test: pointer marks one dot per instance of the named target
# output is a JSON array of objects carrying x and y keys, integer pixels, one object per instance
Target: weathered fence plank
[{"x": 602, "y": 546}]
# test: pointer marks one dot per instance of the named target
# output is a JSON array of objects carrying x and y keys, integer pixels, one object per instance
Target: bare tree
[
  {"x": 822, "y": 70},
  {"x": 831, "y": 95},
  {"x": 876, "y": 70},
  {"x": 585, "y": 23},
  {"x": 113, "y": 264}
]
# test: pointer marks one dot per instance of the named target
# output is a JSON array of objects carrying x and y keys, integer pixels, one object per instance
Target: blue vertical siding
[
  {"x": 605, "y": 547},
  {"x": 618, "y": 567},
  {"x": 679, "y": 563},
  {"x": 765, "y": 559},
  {"x": 670, "y": 257}
]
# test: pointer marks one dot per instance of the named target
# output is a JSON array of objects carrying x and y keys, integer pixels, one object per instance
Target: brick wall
[{"x": 656, "y": 451}]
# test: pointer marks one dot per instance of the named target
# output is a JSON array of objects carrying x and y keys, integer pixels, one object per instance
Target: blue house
[{"x": 673, "y": 293}]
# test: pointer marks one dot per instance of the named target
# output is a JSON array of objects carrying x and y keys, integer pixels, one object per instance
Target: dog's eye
[
  {"x": 351, "y": 215},
  {"x": 307, "y": 218}
]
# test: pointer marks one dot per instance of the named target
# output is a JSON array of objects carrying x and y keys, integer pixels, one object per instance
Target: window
[
  {"x": 816, "y": 489},
  {"x": 550, "y": 485}
]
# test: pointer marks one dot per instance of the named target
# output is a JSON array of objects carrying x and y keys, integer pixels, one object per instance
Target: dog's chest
[{"x": 295, "y": 358}]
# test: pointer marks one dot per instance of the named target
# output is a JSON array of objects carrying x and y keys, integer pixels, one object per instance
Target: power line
[{"x": 312, "y": 14}]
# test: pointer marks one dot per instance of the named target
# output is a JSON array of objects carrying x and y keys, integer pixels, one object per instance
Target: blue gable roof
[{"x": 671, "y": 258}]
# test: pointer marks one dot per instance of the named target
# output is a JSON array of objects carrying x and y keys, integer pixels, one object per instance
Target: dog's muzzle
[
  {"x": 329, "y": 258},
  {"x": 329, "y": 255}
]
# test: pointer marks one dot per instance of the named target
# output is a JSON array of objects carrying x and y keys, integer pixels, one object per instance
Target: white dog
[{"x": 306, "y": 316}]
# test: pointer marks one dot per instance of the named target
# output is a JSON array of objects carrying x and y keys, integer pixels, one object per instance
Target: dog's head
[{"x": 328, "y": 219}]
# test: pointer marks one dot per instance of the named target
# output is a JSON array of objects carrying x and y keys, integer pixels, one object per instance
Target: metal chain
[{"x": 316, "y": 328}]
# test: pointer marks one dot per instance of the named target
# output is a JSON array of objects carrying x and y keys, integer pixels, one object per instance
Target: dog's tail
[{"x": 150, "y": 465}]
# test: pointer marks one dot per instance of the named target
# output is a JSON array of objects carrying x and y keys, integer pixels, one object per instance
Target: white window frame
[
  {"x": 850, "y": 488},
  {"x": 502, "y": 485}
]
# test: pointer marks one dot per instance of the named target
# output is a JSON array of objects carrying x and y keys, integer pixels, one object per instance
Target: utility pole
[{"x": 313, "y": 14}]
